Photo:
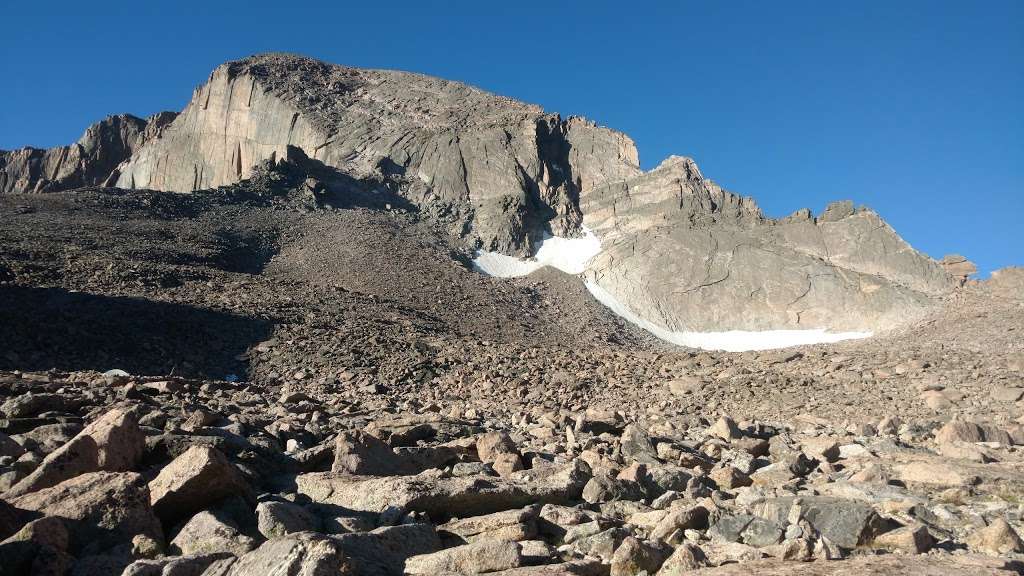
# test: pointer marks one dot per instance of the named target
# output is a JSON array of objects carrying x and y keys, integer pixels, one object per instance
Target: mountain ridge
[{"x": 501, "y": 174}]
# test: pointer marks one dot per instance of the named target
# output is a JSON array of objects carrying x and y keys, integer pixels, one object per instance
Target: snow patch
[
  {"x": 570, "y": 255},
  {"x": 731, "y": 341}
]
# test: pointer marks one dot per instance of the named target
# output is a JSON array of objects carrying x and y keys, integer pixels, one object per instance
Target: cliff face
[
  {"x": 493, "y": 168},
  {"x": 678, "y": 250},
  {"x": 89, "y": 162},
  {"x": 682, "y": 252}
]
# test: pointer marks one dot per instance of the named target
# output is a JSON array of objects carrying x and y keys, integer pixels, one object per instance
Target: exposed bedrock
[
  {"x": 689, "y": 256},
  {"x": 496, "y": 170},
  {"x": 678, "y": 250},
  {"x": 92, "y": 161}
]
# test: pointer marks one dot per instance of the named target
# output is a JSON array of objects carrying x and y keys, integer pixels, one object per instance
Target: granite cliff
[{"x": 677, "y": 249}]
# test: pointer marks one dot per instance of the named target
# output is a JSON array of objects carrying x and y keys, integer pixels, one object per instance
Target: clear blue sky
[{"x": 915, "y": 108}]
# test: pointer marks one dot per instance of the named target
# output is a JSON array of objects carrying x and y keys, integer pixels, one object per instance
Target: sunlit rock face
[
  {"x": 686, "y": 255},
  {"x": 91, "y": 161},
  {"x": 499, "y": 171},
  {"x": 523, "y": 187}
]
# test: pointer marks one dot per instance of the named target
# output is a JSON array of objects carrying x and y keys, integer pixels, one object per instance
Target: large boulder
[
  {"x": 476, "y": 558},
  {"x": 104, "y": 509},
  {"x": 303, "y": 553},
  {"x": 446, "y": 497},
  {"x": 867, "y": 565},
  {"x": 847, "y": 523},
  {"x": 998, "y": 539},
  {"x": 382, "y": 551},
  {"x": 189, "y": 565},
  {"x": 356, "y": 452},
  {"x": 206, "y": 533},
  {"x": 113, "y": 443},
  {"x": 514, "y": 525},
  {"x": 193, "y": 481}
]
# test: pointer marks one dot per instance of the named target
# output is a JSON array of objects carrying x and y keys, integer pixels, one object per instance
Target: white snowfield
[
  {"x": 731, "y": 341},
  {"x": 571, "y": 255}
]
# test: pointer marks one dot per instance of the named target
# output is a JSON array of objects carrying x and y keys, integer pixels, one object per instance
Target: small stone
[
  {"x": 725, "y": 428},
  {"x": 492, "y": 444},
  {"x": 913, "y": 539},
  {"x": 276, "y": 519},
  {"x": 997, "y": 539}
]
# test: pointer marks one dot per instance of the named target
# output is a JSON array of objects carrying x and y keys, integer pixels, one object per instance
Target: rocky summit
[{"x": 303, "y": 327}]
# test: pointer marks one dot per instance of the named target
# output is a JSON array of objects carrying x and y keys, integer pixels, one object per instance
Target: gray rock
[
  {"x": 10, "y": 448},
  {"x": 636, "y": 445},
  {"x": 113, "y": 443},
  {"x": 476, "y": 558},
  {"x": 445, "y": 497},
  {"x": 501, "y": 166},
  {"x": 603, "y": 544},
  {"x": 706, "y": 255},
  {"x": 92, "y": 161},
  {"x": 206, "y": 533},
  {"x": 847, "y": 523},
  {"x": 31, "y": 404},
  {"x": 602, "y": 488},
  {"x": 189, "y": 565},
  {"x": 303, "y": 553},
  {"x": 760, "y": 533},
  {"x": 277, "y": 519}
]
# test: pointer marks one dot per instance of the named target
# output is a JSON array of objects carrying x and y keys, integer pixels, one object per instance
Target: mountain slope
[
  {"x": 485, "y": 164},
  {"x": 683, "y": 253},
  {"x": 678, "y": 251}
]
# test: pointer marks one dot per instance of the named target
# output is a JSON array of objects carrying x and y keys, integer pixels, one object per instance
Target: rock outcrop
[
  {"x": 486, "y": 164},
  {"x": 686, "y": 255},
  {"x": 92, "y": 161},
  {"x": 679, "y": 252}
]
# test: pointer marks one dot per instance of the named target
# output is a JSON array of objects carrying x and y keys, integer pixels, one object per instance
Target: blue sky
[{"x": 913, "y": 108}]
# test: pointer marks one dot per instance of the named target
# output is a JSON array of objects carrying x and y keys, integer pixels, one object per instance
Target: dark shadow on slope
[
  {"x": 51, "y": 328},
  {"x": 244, "y": 252},
  {"x": 341, "y": 190}
]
